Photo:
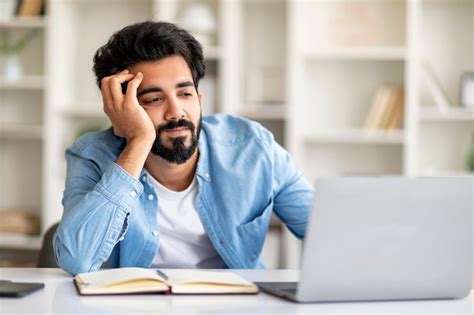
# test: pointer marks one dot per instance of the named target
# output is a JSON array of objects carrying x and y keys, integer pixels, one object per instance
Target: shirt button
[
  {"x": 207, "y": 175},
  {"x": 144, "y": 178},
  {"x": 133, "y": 193},
  {"x": 150, "y": 197},
  {"x": 155, "y": 233}
]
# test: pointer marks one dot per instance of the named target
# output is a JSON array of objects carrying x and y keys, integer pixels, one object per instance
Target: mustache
[{"x": 176, "y": 124}]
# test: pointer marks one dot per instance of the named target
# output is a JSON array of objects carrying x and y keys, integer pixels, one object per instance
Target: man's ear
[{"x": 201, "y": 98}]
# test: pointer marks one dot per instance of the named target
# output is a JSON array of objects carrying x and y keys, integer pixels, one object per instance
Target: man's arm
[
  {"x": 97, "y": 203},
  {"x": 293, "y": 194}
]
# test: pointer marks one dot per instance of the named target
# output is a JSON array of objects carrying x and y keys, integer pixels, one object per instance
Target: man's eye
[
  {"x": 187, "y": 94},
  {"x": 153, "y": 100}
]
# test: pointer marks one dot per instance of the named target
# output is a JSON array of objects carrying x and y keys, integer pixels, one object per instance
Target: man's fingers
[
  {"x": 132, "y": 86},
  {"x": 106, "y": 96},
  {"x": 107, "y": 93},
  {"x": 115, "y": 86}
]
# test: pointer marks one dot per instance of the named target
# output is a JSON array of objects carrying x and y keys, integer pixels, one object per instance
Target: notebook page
[
  {"x": 198, "y": 276},
  {"x": 111, "y": 276}
]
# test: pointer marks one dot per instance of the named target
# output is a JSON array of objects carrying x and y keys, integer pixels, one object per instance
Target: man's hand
[{"x": 128, "y": 118}]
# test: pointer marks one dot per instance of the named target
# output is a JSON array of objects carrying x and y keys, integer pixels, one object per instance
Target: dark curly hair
[{"x": 148, "y": 41}]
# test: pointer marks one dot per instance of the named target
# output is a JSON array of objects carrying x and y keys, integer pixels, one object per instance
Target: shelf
[
  {"x": 264, "y": 111},
  {"x": 455, "y": 114},
  {"x": 443, "y": 1},
  {"x": 18, "y": 131},
  {"x": 24, "y": 22},
  {"x": 358, "y": 53},
  {"x": 19, "y": 241},
  {"x": 81, "y": 113},
  {"x": 31, "y": 82},
  {"x": 356, "y": 136}
]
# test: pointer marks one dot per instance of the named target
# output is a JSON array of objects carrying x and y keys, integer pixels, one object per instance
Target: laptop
[{"x": 385, "y": 239}]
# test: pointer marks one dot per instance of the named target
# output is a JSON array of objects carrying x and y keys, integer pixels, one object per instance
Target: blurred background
[{"x": 349, "y": 87}]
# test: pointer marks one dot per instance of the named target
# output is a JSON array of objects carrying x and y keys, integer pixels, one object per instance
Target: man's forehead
[{"x": 172, "y": 63}]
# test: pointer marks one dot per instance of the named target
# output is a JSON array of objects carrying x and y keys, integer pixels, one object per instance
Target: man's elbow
[
  {"x": 298, "y": 230},
  {"x": 69, "y": 261}
]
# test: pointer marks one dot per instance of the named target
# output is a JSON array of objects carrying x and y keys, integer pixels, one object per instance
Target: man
[{"x": 165, "y": 187}]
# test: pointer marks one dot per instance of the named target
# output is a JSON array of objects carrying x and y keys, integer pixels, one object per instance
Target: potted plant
[{"x": 10, "y": 48}]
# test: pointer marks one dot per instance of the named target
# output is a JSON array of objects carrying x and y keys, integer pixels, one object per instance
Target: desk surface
[{"x": 59, "y": 296}]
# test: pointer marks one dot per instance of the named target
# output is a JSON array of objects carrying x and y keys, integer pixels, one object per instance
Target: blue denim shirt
[{"x": 243, "y": 175}]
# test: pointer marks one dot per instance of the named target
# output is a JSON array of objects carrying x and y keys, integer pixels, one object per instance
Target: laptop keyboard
[{"x": 287, "y": 287}]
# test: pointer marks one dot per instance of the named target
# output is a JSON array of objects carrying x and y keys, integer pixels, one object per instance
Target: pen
[{"x": 162, "y": 274}]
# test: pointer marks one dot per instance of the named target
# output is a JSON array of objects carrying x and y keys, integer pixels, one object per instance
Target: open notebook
[{"x": 140, "y": 280}]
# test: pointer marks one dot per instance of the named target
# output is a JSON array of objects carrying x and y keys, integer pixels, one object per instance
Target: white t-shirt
[{"x": 183, "y": 241}]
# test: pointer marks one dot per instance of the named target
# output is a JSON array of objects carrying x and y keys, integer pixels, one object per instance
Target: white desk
[{"x": 59, "y": 296}]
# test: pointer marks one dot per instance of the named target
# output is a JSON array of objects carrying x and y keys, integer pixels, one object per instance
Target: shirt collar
[{"x": 203, "y": 167}]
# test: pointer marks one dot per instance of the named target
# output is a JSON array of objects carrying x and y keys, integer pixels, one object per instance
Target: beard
[{"x": 179, "y": 152}]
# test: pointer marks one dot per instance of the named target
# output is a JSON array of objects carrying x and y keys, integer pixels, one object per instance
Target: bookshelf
[
  {"x": 24, "y": 22},
  {"x": 260, "y": 111},
  {"x": 356, "y": 136},
  {"x": 432, "y": 114},
  {"x": 342, "y": 61},
  {"x": 307, "y": 70},
  {"x": 358, "y": 53},
  {"x": 22, "y": 125},
  {"x": 254, "y": 84},
  {"x": 16, "y": 131},
  {"x": 26, "y": 83},
  {"x": 446, "y": 42},
  {"x": 19, "y": 241}
]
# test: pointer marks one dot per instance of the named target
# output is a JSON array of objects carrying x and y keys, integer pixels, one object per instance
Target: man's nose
[{"x": 173, "y": 110}]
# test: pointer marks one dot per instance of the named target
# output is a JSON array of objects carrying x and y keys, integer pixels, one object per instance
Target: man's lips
[{"x": 176, "y": 131}]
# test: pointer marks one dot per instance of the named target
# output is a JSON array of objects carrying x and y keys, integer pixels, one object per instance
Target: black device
[{"x": 18, "y": 289}]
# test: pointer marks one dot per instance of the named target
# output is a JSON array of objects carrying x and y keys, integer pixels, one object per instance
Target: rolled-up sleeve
[{"x": 96, "y": 209}]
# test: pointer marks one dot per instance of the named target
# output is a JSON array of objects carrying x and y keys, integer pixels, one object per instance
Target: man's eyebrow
[
  {"x": 184, "y": 84},
  {"x": 152, "y": 89}
]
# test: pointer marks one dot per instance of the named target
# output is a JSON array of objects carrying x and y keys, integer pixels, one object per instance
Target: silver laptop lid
[{"x": 388, "y": 238}]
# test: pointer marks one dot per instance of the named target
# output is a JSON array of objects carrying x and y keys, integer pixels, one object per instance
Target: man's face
[{"x": 168, "y": 95}]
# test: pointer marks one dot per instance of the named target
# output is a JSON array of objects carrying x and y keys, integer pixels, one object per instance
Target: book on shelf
[
  {"x": 30, "y": 7},
  {"x": 386, "y": 110},
  {"x": 435, "y": 89},
  {"x": 132, "y": 280},
  {"x": 396, "y": 118},
  {"x": 374, "y": 108},
  {"x": 21, "y": 221},
  {"x": 396, "y": 103}
]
